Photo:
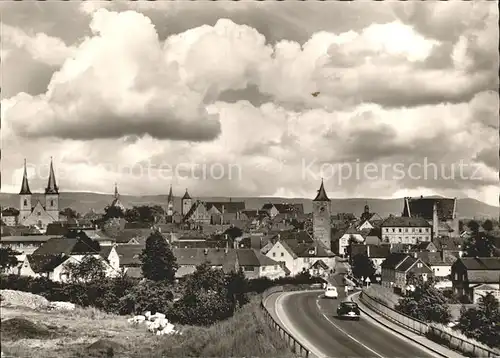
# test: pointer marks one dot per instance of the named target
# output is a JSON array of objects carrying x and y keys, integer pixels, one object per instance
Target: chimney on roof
[
  {"x": 421, "y": 196},
  {"x": 223, "y": 209},
  {"x": 205, "y": 251}
]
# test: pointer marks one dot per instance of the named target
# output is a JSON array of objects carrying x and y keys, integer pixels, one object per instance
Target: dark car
[{"x": 348, "y": 309}]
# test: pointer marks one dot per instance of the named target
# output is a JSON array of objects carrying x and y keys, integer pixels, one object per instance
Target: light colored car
[{"x": 331, "y": 292}]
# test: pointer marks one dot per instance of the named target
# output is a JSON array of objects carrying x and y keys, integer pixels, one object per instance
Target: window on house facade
[
  {"x": 420, "y": 230},
  {"x": 52, "y": 203},
  {"x": 427, "y": 229},
  {"x": 25, "y": 202},
  {"x": 406, "y": 229},
  {"x": 263, "y": 268},
  {"x": 419, "y": 265},
  {"x": 393, "y": 230},
  {"x": 282, "y": 254},
  {"x": 274, "y": 254},
  {"x": 39, "y": 213},
  {"x": 399, "y": 230},
  {"x": 307, "y": 259}
]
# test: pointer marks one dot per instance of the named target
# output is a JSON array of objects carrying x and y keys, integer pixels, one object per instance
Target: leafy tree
[
  {"x": 154, "y": 296},
  {"x": 132, "y": 215},
  {"x": 233, "y": 232},
  {"x": 425, "y": 303},
  {"x": 89, "y": 269},
  {"x": 111, "y": 212},
  {"x": 482, "y": 323},
  {"x": 69, "y": 213},
  {"x": 488, "y": 225},
  {"x": 237, "y": 287},
  {"x": 206, "y": 299},
  {"x": 7, "y": 258},
  {"x": 158, "y": 260},
  {"x": 473, "y": 226},
  {"x": 480, "y": 245},
  {"x": 362, "y": 266}
]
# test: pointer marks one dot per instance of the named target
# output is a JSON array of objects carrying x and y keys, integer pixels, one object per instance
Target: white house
[
  {"x": 356, "y": 236},
  {"x": 300, "y": 257},
  {"x": 54, "y": 267},
  {"x": 439, "y": 262}
]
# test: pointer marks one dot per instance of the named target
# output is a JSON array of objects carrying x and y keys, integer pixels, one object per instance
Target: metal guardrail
[
  {"x": 424, "y": 329},
  {"x": 294, "y": 344}
]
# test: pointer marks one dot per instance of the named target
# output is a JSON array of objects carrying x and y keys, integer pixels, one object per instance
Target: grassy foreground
[{"x": 92, "y": 333}]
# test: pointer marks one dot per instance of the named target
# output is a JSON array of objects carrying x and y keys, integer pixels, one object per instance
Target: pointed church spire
[
  {"x": 116, "y": 195},
  {"x": 170, "y": 195},
  {"x": 25, "y": 188},
  {"x": 51, "y": 183},
  {"x": 186, "y": 195},
  {"x": 321, "y": 193}
]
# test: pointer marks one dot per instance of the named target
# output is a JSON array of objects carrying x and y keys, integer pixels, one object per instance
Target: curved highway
[{"x": 314, "y": 318}]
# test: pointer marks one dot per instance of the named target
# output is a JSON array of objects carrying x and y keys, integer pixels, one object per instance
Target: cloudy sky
[{"x": 253, "y": 99}]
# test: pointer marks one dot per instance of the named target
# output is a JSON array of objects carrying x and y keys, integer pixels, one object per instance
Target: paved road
[{"x": 315, "y": 319}]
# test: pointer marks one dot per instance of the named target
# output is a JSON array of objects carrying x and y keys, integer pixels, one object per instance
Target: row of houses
[
  {"x": 261, "y": 256},
  {"x": 471, "y": 277}
]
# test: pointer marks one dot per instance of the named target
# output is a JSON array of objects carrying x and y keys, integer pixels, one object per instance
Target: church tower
[
  {"x": 24, "y": 197},
  {"x": 321, "y": 218},
  {"x": 52, "y": 195},
  {"x": 186, "y": 203},
  {"x": 170, "y": 202},
  {"x": 366, "y": 214}
]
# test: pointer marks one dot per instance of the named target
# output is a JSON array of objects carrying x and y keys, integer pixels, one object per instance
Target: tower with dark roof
[
  {"x": 52, "y": 194},
  {"x": 24, "y": 196},
  {"x": 186, "y": 203},
  {"x": 321, "y": 218}
]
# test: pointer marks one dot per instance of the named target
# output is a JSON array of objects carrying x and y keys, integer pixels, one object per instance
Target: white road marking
[
  {"x": 395, "y": 333},
  {"x": 287, "y": 325},
  {"x": 347, "y": 334}
]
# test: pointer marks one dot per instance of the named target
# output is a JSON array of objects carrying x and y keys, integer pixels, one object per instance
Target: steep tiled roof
[
  {"x": 25, "y": 238},
  {"x": 249, "y": 257},
  {"x": 423, "y": 207},
  {"x": 436, "y": 258},
  {"x": 63, "y": 246},
  {"x": 481, "y": 263},
  {"x": 45, "y": 263},
  {"x": 393, "y": 260},
  {"x": 406, "y": 264},
  {"x": 492, "y": 276},
  {"x": 213, "y": 257},
  {"x": 227, "y": 207},
  {"x": 305, "y": 249},
  {"x": 105, "y": 251},
  {"x": 129, "y": 254},
  {"x": 398, "y": 221},
  {"x": 320, "y": 264}
]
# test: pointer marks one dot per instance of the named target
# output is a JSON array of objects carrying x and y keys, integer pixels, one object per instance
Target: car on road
[
  {"x": 331, "y": 292},
  {"x": 348, "y": 309}
]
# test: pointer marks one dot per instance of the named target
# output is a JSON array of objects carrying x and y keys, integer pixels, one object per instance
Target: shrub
[{"x": 147, "y": 296}]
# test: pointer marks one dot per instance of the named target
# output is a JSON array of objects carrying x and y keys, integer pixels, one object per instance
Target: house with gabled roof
[
  {"x": 299, "y": 256},
  {"x": 405, "y": 230},
  {"x": 376, "y": 253},
  {"x": 351, "y": 234},
  {"x": 198, "y": 214},
  {"x": 469, "y": 276},
  {"x": 397, "y": 267},
  {"x": 439, "y": 262}
]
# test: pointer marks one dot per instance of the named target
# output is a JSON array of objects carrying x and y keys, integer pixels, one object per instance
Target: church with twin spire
[{"x": 36, "y": 214}]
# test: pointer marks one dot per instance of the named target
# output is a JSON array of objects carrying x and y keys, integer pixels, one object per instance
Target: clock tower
[{"x": 321, "y": 218}]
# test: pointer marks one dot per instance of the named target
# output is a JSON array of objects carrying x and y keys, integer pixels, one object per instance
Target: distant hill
[{"x": 83, "y": 202}]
